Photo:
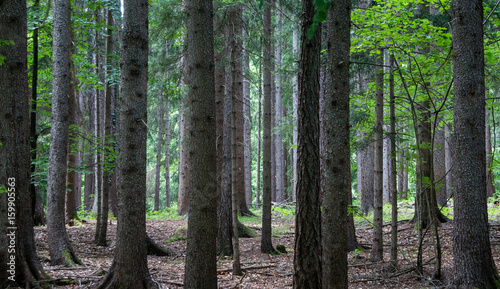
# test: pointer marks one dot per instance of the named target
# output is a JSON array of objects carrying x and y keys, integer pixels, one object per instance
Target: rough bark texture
[
  {"x": 336, "y": 176},
  {"x": 129, "y": 268},
  {"x": 61, "y": 252},
  {"x": 307, "y": 257},
  {"x": 15, "y": 153},
  {"x": 377, "y": 248},
  {"x": 266, "y": 240},
  {"x": 201, "y": 262},
  {"x": 365, "y": 172},
  {"x": 387, "y": 166},
  {"x": 223, "y": 132},
  {"x": 474, "y": 265}
]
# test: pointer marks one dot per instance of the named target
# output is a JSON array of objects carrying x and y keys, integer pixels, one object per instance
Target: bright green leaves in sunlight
[{"x": 322, "y": 7}]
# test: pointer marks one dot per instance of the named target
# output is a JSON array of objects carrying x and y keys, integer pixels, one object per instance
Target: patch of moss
[{"x": 281, "y": 248}]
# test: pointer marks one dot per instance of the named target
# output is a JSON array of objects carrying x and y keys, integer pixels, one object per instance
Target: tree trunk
[
  {"x": 236, "y": 35},
  {"x": 61, "y": 252},
  {"x": 295, "y": 100},
  {"x": 307, "y": 257},
  {"x": 167, "y": 152},
  {"x": 89, "y": 177},
  {"x": 490, "y": 179},
  {"x": 15, "y": 154},
  {"x": 259, "y": 139},
  {"x": 448, "y": 158},
  {"x": 158, "y": 153},
  {"x": 201, "y": 262},
  {"x": 266, "y": 245},
  {"x": 223, "y": 111},
  {"x": 474, "y": 265},
  {"x": 365, "y": 172},
  {"x": 129, "y": 268},
  {"x": 278, "y": 106},
  {"x": 248, "y": 129},
  {"x": 183, "y": 188},
  {"x": 394, "y": 200},
  {"x": 387, "y": 166},
  {"x": 439, "y": 166},
  {"x": 336, "y": 176},
  {"x": 377, "y": 253},
  {"x": 108, "y": 136}
]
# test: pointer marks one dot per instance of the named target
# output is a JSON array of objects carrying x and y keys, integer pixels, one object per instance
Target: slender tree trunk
[
  {"x": 15, "y": 154},
  {"x": 129, "y": 268},
  {"x": 167, "y": 152},
  {"x": 158, "y": 153},
  {"x": 448, "y": 158},
  {"x": 247, "y": 126},
  {"x": 266, "y": 245},
  {"x": 365, "y": 172},
  {"x": 439, "y": 166},
  {"x": 201, "y": 262},
  {"x": 336, "y": 177},
  {"x": 280, "y": 169},
  {"x": 474, "y": 265},
  {"x": 307, "y": 257},
  {"x": 89, "y": 189},
  {"x": 490, "y": 179},
  {"x": 61, "y": 252},
  {"x": 295, "y": 94},
  {"x": 259, "y": 139},
  {"x": 387, "y": 166},
  {"x": 394, "y": 200},
  {"x": 183, "y": 188},
  {"x": 377, "y": 246}
]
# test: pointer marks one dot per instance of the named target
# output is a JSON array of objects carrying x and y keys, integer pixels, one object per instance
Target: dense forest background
[{"x": 336, "y": 113}]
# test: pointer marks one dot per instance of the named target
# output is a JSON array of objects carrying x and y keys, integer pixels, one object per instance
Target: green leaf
[{"x": 310, "y": 31}]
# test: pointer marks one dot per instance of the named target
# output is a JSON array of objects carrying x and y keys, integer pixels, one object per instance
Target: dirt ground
[{"x": 260, "y": 270}]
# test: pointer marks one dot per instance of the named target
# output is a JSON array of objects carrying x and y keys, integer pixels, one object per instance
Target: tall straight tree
[
  {"x": 61, "y": 252},
  {"x": 266, "y": 245},
  {"x": 336, "y": 177},
  {"x": 474, "y": 265},
  {"x": 129, "y": 268},
  {"x": 201, "y": 257},
  {"x": 278, "y": 115},
  {"x": 378, "y": 166},
  {"x": 307, "y": 258},
  {"x": 15, "y": 151},
  {"x": 158, "y": 153}
]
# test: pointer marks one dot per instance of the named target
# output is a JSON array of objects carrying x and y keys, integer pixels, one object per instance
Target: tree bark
[
  {"x": 377, "y": 253},
  {"x": 439, "y": 166},
  {"x": 248, "y": 129},
  {"x": 365, "y": 172},
  {"x": 15, "y": 154},
  {"x": 278, "y": 106},
  {"x": 61, "y": 252},
  {"x": 490, "y": 178},
  {"x": 336, "y": 176},
  {"x": 158, "y": 153},
  {"x": 307, "y": 257},
  {"x": 295, "y": 100},
  {"x": 201, "y": 262},
  {"x": 266, "y": 245},
  {"x": 129, "y": 268},
  {"x": 474, "y": 265},
  {"x": 183, "y": 187}
]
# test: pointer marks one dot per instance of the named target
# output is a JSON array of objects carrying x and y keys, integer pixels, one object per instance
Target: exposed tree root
[{"x": 156, "y": 250}]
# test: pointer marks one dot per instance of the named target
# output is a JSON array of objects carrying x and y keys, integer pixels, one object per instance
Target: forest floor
[{"x": 263, "y": 270}]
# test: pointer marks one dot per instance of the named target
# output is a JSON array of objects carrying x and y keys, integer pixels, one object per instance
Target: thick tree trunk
[
  {"x": 61, "y": 252},
  {"x": 307, "y": 257},
  {"x": 223, "y": 132},
  {"x": 266, "y": 245},
  {"x": 474, "y": 265},
  {"x": 129, "y": 268},
  {"x": 15, "y": 154},
  {"x": 201, "y": 262},
  {"x": 336, "y": 176}
]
